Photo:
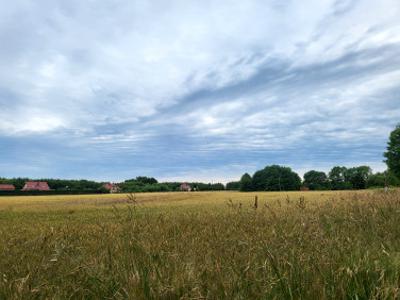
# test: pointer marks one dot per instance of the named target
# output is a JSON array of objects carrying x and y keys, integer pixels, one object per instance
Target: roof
[
  {"x": 185, "y": 186},
  {"x": 109, "y": 186},
  {"x": 7, "y": 187},
  {"x": 36, "y": 186}
]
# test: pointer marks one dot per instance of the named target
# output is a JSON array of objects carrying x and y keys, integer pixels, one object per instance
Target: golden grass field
[
  {"x": 220, "y": 198},
  {"x": 201, "y": 245}
]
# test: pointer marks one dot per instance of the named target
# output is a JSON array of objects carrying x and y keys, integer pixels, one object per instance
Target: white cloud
[{"x": 33, "y": 121}]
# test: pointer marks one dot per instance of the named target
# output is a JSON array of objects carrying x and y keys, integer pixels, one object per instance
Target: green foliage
[
  {"x": 259, "y": 180},
  {"x": 382, "y": 179},
  {"x": 342, "y": 178},
  {"x": 276, "y": 178},
  {"x": 233, "y": 186},
  {"x": 143, "y": 180},
  {"x": 316, "y": 180},
  {"x": 338, "y": 179},
  {"x": 145, "y": 184},
  {"x": 246, "y": 184},
  {"x": 392, "y": 154},
  {"x": 199, "y": 186},
  {"x": 17, "y": 182},
  {"x": 358, "y": 176}
]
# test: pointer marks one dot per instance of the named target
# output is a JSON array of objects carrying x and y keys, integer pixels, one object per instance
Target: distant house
[
  {"x": 36, "y": 186},
  {"x": 7, "y": 187},
  {"x": 185, "y": 187},
  {"x": 111, "y": 187}
]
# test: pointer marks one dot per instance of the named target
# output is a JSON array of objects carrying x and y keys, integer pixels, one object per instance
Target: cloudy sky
[{"x": 195, "y": 90}]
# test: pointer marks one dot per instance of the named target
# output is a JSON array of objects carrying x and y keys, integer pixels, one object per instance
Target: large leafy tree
[
  {"x": 276, "y": 178},
  {"x": 337, "y": 178},
  {"x": 246, "y": 183},
  {"x": 392, "y": 154},
  {"x": 316, "y": 180},
  {"x": 260, "y": 180},
  {"x": 358, "y": 176}
]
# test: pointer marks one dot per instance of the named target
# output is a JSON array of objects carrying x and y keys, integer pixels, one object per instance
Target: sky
[{"x": 195, "y": 90}]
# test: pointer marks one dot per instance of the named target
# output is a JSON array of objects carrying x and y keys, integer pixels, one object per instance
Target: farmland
[{"x": 201, "y": 245}]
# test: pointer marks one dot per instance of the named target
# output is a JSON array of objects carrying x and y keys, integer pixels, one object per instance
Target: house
[
  {"x": 111, "y": 187},
  {"x": 185, "y": 187},
  {"x": 7, "y": 187},
  {"x": 36, "y": 186}
]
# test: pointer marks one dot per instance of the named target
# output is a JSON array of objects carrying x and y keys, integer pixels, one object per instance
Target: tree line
[
  {"x": 279, "y": 178},
  {"x": 59, "y": 186},
  {"x": 150, "y": 184},
  {"x": 136, "y": 185}
]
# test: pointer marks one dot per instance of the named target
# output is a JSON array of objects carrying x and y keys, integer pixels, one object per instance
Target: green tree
[
  {"x": 316, "y": 180},
  {"x": 381, "y": 179},
  {"x": 246, "y": 183},
  {"x": 276, "y": 178},
  {"x": 337, "y": 178},
  {"x": 233, "y": 186},
  {"x": 200, "y": 186},
  {"x": 392, "y": 154},
  {"x": 260, "y": 179},
  {"x": 358, "y": 176},
  {"x": 146, "y": 180}
]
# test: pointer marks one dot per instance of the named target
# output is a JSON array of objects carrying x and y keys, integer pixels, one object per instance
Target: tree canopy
[
  {"x": 337, "y": 178},
  {"x": 382, "y": 179},
  {"x": 276, "y": 178},
  {"x": 246, "y": 184},
  {"x": 358, "y": 176},
  {"x": 316, "y": 180},
  {"x": 392, "y": 154},
  {"x": 233, "y": 186}
]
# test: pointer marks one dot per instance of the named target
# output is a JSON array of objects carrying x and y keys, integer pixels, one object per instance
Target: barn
[{"x": 36, "y": 186}]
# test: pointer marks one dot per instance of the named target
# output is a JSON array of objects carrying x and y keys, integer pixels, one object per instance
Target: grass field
[{"x": 202, "y": 245}]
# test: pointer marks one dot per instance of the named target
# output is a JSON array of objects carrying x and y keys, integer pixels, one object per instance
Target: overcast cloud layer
[{"x": 195, "y": 90}]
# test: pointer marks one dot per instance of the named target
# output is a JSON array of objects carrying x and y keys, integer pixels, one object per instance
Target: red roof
[
  {"x": 108, "y": 186},
  {"x": 7, "y": 187},
  {"x": 185, "y": 186},
  {"x": 36, "y": 186}
]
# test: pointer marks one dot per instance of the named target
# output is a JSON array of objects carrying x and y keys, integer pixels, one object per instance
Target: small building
[
  {"x": 7, "y": 187},
  {"x": 185, "y": 187},
  {"x": 111, "y": 187},
  {"x": 36, "y": 186}
]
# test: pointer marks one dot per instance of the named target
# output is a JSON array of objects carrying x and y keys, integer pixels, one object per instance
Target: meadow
[{"x": 201, "y": 245}]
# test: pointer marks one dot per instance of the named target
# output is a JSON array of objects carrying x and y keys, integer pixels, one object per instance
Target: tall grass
[{"x": 347, "y": 247}]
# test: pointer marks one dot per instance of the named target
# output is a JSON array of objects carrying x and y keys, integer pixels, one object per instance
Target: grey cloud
[{"x": 141, "y": 79}]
